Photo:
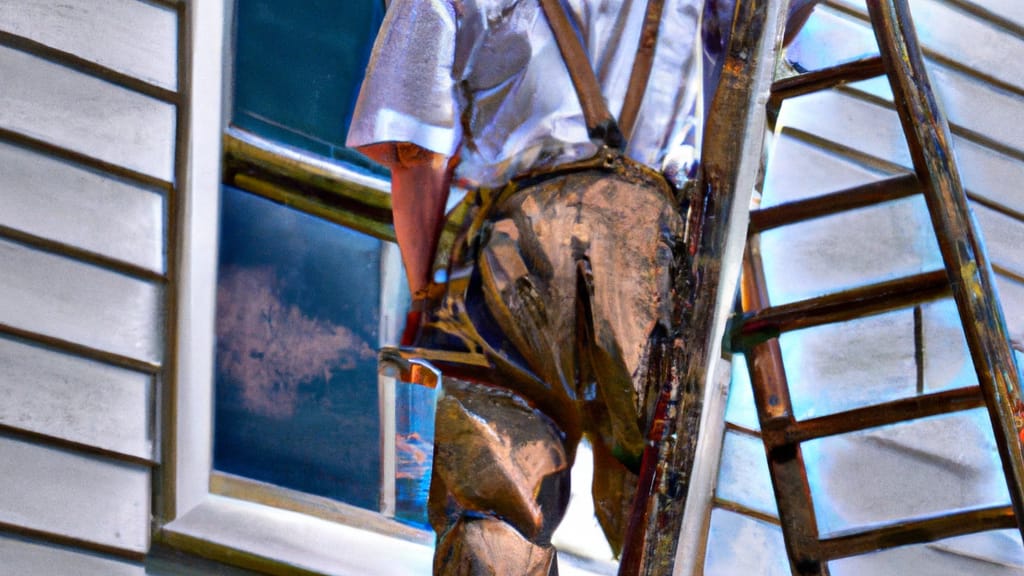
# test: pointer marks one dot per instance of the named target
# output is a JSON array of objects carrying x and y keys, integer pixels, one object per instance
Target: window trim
[{"x": 190, "y": 516}]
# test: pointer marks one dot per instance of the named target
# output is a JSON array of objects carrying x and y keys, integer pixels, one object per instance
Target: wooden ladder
[{"x": 966, "y": 275}]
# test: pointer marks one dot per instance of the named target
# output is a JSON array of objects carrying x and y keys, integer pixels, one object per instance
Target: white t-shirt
[{"x": 486, "y": 78}]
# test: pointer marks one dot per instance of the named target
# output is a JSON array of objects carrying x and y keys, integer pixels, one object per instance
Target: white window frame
[{"x": 197, "y": 520}]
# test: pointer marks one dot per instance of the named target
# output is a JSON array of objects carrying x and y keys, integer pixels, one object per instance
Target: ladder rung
[
  {"x": 825, "y": 78},
  {"x": 884, "y": 414},
  {"x": 769, "y": 322},
  {"x": 835, "y": 202},
  {"x": 917, "y": 531}
]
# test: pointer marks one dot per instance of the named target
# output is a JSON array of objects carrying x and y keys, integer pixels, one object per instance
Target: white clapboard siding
[
  {"x": 73, "y": 110},
  {"x": 907, "y": 470},
  {"x": 25, "y": 558},
  {"x": 738, "y": 544},
  {"x": 837, "y": 253},
  {"x": 81, "y": 303},
  {"x": 75, "y": 495},
  {"x": 133, "y": 37},
  {"x": 1010, "y": 10},
  {"x": 84, "y": 208},
  {"x": 798, "y": 170},
  {"x": 743, "y": 475},
  {"x": 959, "y": 36},
  {"x": 985, "y": 554},
  {"x": 865, "y": 127},
  {"x": 1011, "y": 294},
  {"x": 53, "y": 393},
  {"x": 970, "y": 104},
  {"x": 991, "y": 175},
  {"x": 828, "y": 366},
  {"x": 1004, "y": 239},
  {"x": 947, "y": 360}
]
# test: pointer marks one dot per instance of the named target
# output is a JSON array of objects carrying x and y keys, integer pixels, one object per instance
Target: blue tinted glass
[
  {"x": 414, "y": 450},
  {"x": 297, "y": 329},
  {"x": 298, "y": 67}
]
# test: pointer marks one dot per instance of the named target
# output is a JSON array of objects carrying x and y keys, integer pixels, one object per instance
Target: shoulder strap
[
  {"x": 600, "y": 122},
  {"x": 642, "y": 65}
]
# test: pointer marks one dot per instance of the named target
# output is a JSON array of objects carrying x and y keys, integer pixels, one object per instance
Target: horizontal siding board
[
  {"x": 1010, "y": 10},
  {"x": 55, "y": 296},
  {"x": 23, "y": 557},
  {"x": 874, "y": 130},
  {"x": 743, "y": 477},
  {"x": 130, "y": 36},
  {"x": 915, "y": 468},
  {"x": 971, "y": 103},
  {"x": 834, "y": 253},
  {"x": 1004, "y": 238},
  {"x": 75, "y": 495},
  {"x": 991, "y": 175},
  {"x": 849, "y": 121},
  {"x": 82, "y": 113},
  {"x": 1011, "y": 294},
  {"x": 57, "y": 200},
  {"x": 80, "y": 400},
  {"x": 978, "y": 107},
  {"x": 799, "y": 170},
  {"x": 962, "y": 37}
]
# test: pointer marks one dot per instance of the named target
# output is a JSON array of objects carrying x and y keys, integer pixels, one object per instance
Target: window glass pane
[
  {"x": 297, "y": 330},
  {"x": 414, "y": 450},
  {"x": 298, "y": 67},
  {"x": 924, "y": 467}
]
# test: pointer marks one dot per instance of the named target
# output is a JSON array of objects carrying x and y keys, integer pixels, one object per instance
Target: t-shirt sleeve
[{"x": 408, "y": 91}]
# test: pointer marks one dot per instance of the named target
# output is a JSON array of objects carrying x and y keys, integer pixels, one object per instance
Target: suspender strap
[
  {"x": 600, "y": 122},
  {"x": 642, "y": 65}
]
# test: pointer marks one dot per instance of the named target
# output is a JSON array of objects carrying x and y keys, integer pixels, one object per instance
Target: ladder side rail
[
  {"x": 971, "y": 276},
  {"x": 775, "y": 413},
  {"x": 707, "y": 268}
]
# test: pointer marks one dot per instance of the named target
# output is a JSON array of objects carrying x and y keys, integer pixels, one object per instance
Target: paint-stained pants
[{"x": 572, "y": 279}]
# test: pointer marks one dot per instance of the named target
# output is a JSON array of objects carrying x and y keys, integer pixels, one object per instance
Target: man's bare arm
[{"x": 420, "y": 180}]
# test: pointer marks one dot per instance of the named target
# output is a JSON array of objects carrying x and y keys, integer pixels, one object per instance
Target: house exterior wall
[
  {"x": 96, "y": 128},
  {"x": 91, "y": 157}
]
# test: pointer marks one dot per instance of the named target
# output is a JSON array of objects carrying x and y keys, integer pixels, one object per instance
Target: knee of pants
[
  {"x": 498, "y": 457},
  {"x": 487, "y": 546}
]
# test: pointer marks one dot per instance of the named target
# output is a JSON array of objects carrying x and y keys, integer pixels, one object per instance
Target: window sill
[{"x": 272, "y": 540}]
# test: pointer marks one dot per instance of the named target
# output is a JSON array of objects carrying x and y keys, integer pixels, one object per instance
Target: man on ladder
[{"x": 569, "y": 268}]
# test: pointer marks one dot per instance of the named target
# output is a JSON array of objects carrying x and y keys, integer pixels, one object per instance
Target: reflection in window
[{"x": 297, "y": 324}]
